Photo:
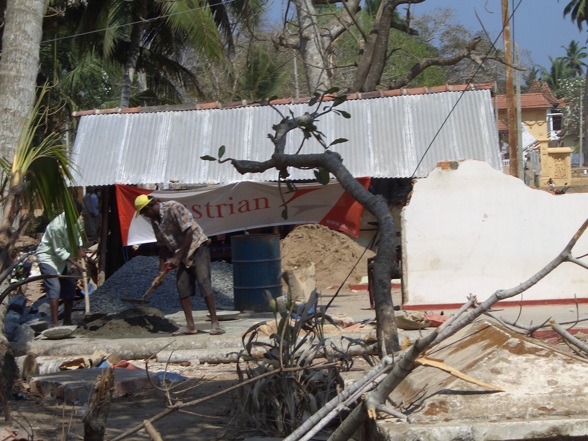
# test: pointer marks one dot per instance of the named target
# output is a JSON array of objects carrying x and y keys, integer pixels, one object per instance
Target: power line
[
  {"x": 463, "y": 92},
  {"x": 149, "y": 20}
]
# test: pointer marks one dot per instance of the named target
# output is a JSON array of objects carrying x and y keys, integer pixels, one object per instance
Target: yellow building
[{"x": 548, "y": 157}]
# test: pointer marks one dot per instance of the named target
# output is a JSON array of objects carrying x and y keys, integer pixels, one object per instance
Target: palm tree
[
  {"x": 574, "y": 56},
  {"x": 578, "y": 10},
  {"x": 560, "y": 69},
  {"x": 39, "y": 173},
  {"x": 151, "y": 36},
  {"x": 22, "y": 30},
  {"x": 262, "y": 76}
]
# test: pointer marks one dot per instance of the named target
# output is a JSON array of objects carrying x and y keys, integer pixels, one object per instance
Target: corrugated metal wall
[{"x": 389, "y": 137}]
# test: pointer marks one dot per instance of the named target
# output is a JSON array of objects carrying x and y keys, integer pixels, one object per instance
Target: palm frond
[
  {"x": 197, "y": 25},
  {"x": 41, "y": 171}
]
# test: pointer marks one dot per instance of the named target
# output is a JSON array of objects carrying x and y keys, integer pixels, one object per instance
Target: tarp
[{"x": 247, "y": 205}]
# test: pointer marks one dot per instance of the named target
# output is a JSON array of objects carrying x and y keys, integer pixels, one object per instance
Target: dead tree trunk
[
  {"x": 99, "y": 408},
  {"x": 8, "y": 376},
  {"x": 386, "y": 329}
]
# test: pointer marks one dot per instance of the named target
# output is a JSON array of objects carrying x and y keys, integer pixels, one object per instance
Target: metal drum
[{"x": 257, "y": 267}]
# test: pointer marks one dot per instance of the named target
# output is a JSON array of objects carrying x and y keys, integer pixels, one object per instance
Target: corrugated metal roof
[{"x": 389, "y": 137}]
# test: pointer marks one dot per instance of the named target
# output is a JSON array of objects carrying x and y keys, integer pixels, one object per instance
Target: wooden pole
[
  {"x": 520, "y": 152},
  {"x": 102, "y": 244},
  {"x": 510, "y": 101},
  {"x": 85, "y": 282}
]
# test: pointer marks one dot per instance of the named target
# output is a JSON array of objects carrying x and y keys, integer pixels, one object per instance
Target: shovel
[{"x": 156, "y": 282}]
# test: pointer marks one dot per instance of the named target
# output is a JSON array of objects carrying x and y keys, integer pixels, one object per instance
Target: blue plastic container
[{"x": 257, "y": 266}]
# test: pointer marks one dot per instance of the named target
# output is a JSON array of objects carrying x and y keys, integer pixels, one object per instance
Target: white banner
[{"x": 246, "y": 205}]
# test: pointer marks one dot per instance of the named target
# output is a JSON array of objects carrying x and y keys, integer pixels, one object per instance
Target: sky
[{"x": 539, "y": 26}]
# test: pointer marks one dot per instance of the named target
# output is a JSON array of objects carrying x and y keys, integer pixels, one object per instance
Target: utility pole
[
  {"x": 510, "y": 102},
  {"x": 581, "y": 131},
  {"x": 520, "y": 158}
]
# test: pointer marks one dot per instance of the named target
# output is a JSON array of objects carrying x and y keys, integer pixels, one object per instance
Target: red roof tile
[
  {"x": 535, "y": 87},
  {"x": 528, "y": 101},
  {"x": 244, "y": 103}
]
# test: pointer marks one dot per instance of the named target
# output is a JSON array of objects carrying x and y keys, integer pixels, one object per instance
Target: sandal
[
  {"x": 217, "y": 331},
  {"x": 184, "y": 331}
]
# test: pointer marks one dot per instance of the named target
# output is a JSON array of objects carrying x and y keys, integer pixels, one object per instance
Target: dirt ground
[
  {"x": 334, "y": 256},
  {"x": 212, "y": 420},
  {"x": 215, "y": 419},
  {"x": 50, "y": 420}
]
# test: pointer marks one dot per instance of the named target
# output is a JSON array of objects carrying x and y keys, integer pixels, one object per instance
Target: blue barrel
[{"x": 257, "y": 267}]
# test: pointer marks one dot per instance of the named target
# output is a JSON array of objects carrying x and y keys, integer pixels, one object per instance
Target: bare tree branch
[
  {"x": 407, "y": 363},
  {"x": 569, "y": 337}
]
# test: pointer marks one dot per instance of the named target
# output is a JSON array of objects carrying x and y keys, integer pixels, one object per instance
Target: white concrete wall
[{"x": 476, "y": 230}]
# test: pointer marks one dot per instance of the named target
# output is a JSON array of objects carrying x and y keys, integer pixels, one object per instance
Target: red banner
[{"x": 247, "y": 205}]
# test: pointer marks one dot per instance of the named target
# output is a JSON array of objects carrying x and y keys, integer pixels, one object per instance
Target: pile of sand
[{"x": 334, "y": 254}]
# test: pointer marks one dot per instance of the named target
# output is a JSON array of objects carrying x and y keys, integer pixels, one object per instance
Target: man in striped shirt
[{"x": 184, "y": 247}]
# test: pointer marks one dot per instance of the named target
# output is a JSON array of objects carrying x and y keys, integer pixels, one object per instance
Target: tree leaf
[
  {"x": 343, "y": 113},
  {"x": 339, "y": 100},
  {"x": 332, "y": 90},
  {"x": 207, "y": 158},
  {"x": 322, "y": 175},
  {"x": 338, "y": 141},
  {"x": 221, "y": 151},
  {"x": 314, "y": 99},
  {"x": 285, "y": 213}
]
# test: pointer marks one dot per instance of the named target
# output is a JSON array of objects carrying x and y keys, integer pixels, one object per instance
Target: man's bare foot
[
  {"x": 185, "y": 331},
  {"x": 217, "y": 330}
]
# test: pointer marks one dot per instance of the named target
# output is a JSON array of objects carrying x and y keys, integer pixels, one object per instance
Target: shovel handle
[
  {"x": 156, "y": 282},
  {"x": 85, "y": 282}
]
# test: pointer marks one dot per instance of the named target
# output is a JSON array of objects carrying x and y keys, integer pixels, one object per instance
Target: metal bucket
[{"x": 257, "y": 267}]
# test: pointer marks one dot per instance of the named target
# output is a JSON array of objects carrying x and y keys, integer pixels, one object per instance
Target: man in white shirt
[{"x": 55, "y": 257}]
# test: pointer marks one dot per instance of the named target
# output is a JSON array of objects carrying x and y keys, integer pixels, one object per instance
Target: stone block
[
  {"x": 13, "y": 317},
  {"x": 23, "y": 334},
  {"x": 17, "y": 304},
  {"x": 11, "y": 324},
  {"x": 76, "y": 386},
  {"x": 44, "y": 310},
  {"x": 10, "y": 330},
  {"x": 38, "y": 325},
  {"x": 76, "y": 393}
]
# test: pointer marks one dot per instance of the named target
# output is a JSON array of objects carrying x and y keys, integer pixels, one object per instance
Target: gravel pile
[{"x": 135, "y": 277}]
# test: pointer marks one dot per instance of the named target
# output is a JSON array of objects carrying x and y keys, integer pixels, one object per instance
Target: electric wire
[
  {"x": 290, "y": 59},
  {"x": 462, "y": 93},
  {"x": 148, "y": 20}
]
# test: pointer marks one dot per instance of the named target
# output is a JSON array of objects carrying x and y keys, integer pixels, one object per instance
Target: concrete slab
[
  {"x": 201, "y": 346},
  {"x": 545, "y": 391},
  {"x": 75, "y": 386}
]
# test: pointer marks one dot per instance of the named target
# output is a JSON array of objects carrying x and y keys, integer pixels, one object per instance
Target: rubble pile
[
  {"x": 335, "y": 255},
  {"x": 133, "y": 279}
]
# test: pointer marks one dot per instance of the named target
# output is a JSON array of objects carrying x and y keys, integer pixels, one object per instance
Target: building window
[{"x": 554, "y": 124}]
